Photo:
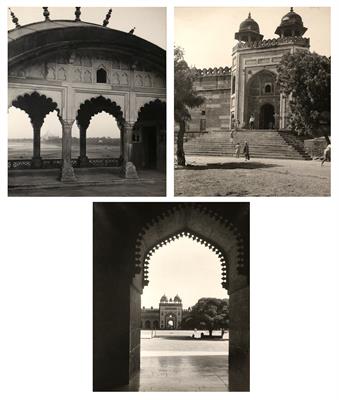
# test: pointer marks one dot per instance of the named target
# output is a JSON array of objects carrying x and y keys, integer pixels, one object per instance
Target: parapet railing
[
  {"x": 57, "y": 162},
  {"x": 267, "y": 43}
]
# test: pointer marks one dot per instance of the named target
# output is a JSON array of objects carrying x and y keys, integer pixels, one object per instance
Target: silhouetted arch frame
[
  {"x": 203, "y": 225},
  {"x": 91, "y": 107}
]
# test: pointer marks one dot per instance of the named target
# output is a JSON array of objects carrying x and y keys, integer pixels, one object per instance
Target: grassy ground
[{"x": 222, "y": 176}]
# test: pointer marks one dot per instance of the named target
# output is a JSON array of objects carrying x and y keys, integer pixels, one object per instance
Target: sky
[
  {"x": 207, "y": 34},
  {"x": 122, "y": 18},
  {"x": 184, "y": 267}
]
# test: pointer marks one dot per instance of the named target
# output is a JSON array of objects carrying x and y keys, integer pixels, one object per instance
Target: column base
[
  {"x": 67, "y": 173},
  {"x": 83, "y": 161},
  {"x": 36, "y": 162},
  {"x": 129, "y": 171}
]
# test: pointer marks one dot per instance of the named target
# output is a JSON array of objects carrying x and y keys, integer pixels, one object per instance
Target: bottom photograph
[{"x": 171, "y": 297}]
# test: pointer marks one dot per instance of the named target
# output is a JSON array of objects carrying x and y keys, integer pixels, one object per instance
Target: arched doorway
[
  {"x": 153, "y": 225},
  {"x": 147, "y": 324},
  {"x": 156, "y": 324},
  {"x": 149, "y": 143},
  {"x": 262, "y": 94},
  {"x": 266, "y": 117}
]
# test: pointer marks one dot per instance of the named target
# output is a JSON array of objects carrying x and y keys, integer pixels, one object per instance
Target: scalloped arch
[{"x": 203, "y": 225}]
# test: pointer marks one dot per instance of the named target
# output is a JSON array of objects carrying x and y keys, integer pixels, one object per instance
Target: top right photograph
[{"x": 252, "y": 90}]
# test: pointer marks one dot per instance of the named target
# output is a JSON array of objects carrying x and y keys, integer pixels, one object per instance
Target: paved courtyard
[
  {"x": 90, "y": 182},
  {"x": 227, "y": 176},
  {"x": 173, "y": 361}
]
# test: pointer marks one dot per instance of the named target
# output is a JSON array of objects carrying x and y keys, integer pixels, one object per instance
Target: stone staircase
[{"x": 262, "y": 144}]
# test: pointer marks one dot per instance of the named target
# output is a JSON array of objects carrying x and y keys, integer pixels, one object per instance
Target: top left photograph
[{"x": 86, "y": 101}]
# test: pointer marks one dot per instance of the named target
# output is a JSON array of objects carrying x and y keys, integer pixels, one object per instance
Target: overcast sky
[
  {"x": 207, "y": 34},
  {"x": 184, "y": 267},
  {"x": 150, "y": 23}
]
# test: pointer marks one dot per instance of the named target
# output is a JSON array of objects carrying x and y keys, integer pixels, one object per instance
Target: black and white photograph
[
  {"x": 176, "y": 277},
  {"x": 252, "y": 101},
  {"x": 169, "y": 200},
  {"x": 87, "y": 101}
]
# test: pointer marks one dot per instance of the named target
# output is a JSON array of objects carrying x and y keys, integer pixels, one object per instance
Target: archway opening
[
  {"x": 195, "y": 269},
  {"x": 20, "y": 135},
  {"x": 266, "y": 118},
  {"x": 100, "y": 123},
  {"x": 149, "y": 136},
  {"x": 51, "y": 137}
]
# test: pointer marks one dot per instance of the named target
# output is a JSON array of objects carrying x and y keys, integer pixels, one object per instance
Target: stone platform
[{"x": 89, "y": 182}]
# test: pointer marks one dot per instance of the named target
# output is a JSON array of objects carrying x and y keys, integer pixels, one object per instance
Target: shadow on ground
[
  {"x": 205, "y": 338},
  {"x": 231, "y": 165}
]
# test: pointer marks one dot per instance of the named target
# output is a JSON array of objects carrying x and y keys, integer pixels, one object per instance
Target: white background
[{"x": 46, "y": 275}]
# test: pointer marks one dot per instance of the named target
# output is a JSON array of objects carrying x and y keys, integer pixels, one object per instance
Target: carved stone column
[
  {"x": 36, "y": 160},
  {"x": 83, "y": 159},
  {"x": 67, "y": 172},
  {"x": 128, "y": 168}
]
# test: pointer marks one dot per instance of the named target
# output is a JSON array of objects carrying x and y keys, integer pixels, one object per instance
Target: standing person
[
  {"x": 237, "y": 150},
  {"x": 232, "y": 136},
  {"x": 327, "y": 154},
  {"x": 251, "y": 121},
  {"x": 246, "y": 151}
]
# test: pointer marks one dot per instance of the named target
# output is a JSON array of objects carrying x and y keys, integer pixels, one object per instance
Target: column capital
[{"x": 67, "y": 123}]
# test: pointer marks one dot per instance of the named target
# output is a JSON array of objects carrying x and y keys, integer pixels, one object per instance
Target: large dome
[
  {"x": 291, "y": 25},
  {"x": 248, "y": 30},
  {"x": 177, "y": 299}
]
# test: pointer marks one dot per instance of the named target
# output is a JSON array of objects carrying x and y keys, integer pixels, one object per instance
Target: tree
[
  {"x": 306, "y": 77},
  {"x": 209, "y": 313},
  {"x": 185, "y": 97}
]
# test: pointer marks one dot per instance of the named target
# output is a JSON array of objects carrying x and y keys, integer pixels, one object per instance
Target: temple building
[
  {"x": 168, "y": 316},
  {"x": 248, "y": 87}
]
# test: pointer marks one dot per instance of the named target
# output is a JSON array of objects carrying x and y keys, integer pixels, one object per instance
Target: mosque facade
[
  {"x": 168, "y": 316},
  {"x": 248, "y": 87}
]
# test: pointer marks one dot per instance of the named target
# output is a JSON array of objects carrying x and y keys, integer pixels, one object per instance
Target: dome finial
[
  {"x": 15, "y": 20},
  {"x": 46, "y": 13},
  {"x": 291, "y": 10},
  {"x": 249, "y": 15},
  {"x": 77, "y": 14},
  {"x": 108, "y": 16}
]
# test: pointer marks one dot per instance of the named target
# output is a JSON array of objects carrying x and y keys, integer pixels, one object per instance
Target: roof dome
[
  {"x": 249, "y": 25},
  {"x": 248, "y": 30},
  {"x": 164, "y": 299},
  {"x": 177, "y": 299},
  {"x": 291, "y": 25}
]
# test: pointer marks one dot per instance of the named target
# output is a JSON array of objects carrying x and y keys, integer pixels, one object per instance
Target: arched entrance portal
[
  {"x": 171, "y": 321},
  {"x": 262, "y": 99},
  {"x": 223, "y": 228},
  {"x": 266, "y": 118}
]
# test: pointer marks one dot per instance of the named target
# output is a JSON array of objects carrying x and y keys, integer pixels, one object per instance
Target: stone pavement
[
  {"x": 228, "y": 176},
  {"x": 90, "y": 182},
  {"x": 174, "y": 362}
]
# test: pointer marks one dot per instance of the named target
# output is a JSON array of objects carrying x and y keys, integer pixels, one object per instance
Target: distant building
[{"x": 168, "y": 316}]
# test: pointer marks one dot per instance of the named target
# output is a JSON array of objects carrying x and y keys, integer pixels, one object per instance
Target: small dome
[
  {"x": 177, "y": 299},
  {"x": 248, "y": 30},
  {"x": 164, "y": 299},
  {"x": 291, "y": 25},
  {"x": 249, "y": 25}
]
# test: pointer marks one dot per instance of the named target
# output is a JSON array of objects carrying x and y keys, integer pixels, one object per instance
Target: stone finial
[
  {"x": 132, "y": 31},
  {"x": 46, "y": 13},
  {"x": 291, "y": 10},
  {"x": 108, "y": 16},
  {"x": 15, "y": 20},
  {"x": 249, "y": 15},
  {"x": 77, "y": 14}
]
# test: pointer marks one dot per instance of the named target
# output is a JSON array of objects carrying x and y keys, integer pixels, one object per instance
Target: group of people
[{"x": 245, "y": 150}]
